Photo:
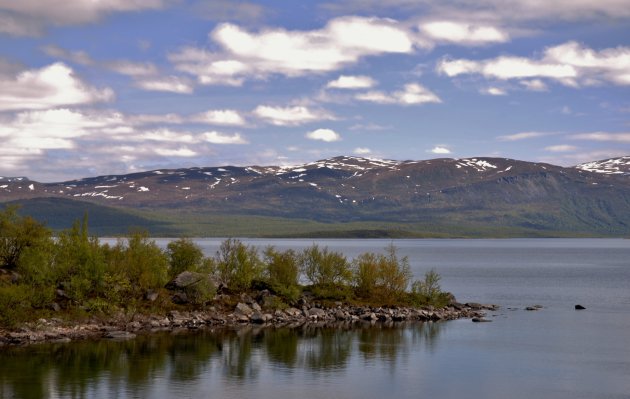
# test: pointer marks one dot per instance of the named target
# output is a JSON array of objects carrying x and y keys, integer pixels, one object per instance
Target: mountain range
[{"x": 346, "y": 196}]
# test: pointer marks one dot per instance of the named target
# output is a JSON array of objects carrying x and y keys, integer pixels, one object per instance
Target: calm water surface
[{"x": 556, "y": 352}]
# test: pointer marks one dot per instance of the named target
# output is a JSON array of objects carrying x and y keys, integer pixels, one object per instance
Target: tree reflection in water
[{"x": 132, "y": 368}]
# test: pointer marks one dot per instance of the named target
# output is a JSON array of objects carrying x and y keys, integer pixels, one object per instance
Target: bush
[
  {"x": 141, "y": 261},
  {"x": 17, "y": 234},
  {"x": 184, "y": 255},
  {"x": 201, "y": 291},
  {"x": 428, "y": 292},
  {"x": 282, "y": 273},
  {"x": 324, "y": 268},
  {"x": 15, "y": 304},
  {"x": 381, "y": 277},
  {"x": 238, "y": 265}
]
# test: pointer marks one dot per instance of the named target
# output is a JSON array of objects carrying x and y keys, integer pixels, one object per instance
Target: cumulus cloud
[
  {"x": 226, "y": 117},
  {"x": 440, "y": 150},
  {"x": 172, "y": 84},
  {"x": 494, "y": 91},
  {"x": 326, "y": 135},
  {"x": 411, "y": 94},
  {"x": 290, "y": 116},
  {"x": 221, "y": 138},
  {"x": 463, "y": 33},
  {"x": 51, "y": 86},
  {"x": 534, "y": 85},
  {"x": 243, "y": 54},
  {"x": 351, "y": 82},
  {"x": 33, "y": 140},
  {"x": 571, "y": 64},
  {"x": 30, "y": 17},
  {"x": 508, "y": 10}
]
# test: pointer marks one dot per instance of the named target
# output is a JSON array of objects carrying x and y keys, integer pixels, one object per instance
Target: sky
[{"x": 100, "y": 87}]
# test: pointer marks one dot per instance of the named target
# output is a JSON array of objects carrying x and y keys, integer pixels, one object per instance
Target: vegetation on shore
[{"x": 75, "y": 274}]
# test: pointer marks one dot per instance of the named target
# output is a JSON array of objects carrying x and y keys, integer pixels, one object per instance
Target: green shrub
[
  {"x": 184, "y": 255},
  {"x": 238, "y": 264},
  {"x": 141, "y": 262},
  {"x": 17, "y": 234},
  {"x": 15, "y": 304},
  {"x": 324, "y": 268},
  {"x": 282, "y": 272},
  {"x": 381, "y": 277},
  {"x": 428, "y": 291}
]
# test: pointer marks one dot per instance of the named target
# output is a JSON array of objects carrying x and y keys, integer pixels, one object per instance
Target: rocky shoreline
[{"x": 246, "y": 312}]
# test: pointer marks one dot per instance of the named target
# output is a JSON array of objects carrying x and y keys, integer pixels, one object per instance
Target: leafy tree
[
  {"x": 184, "y": 255},
  {"x": 428, "y": 291},
  {"x": 17, "y": 234},
  {"x": 328, "y": 272},
  {"x": 238, "y": 264},
  {"x": 282, "y": 272},
  {"x": 383, "y": 277}
]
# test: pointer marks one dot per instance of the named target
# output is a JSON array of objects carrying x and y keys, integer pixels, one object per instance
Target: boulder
[
  {"x": 480, "y": 320},
  {"x": 579, "y": 307},
  {"x": 320, "y": 313},
  {"x": 119, "y": 335},
  {"x": 243, "y": 310}
]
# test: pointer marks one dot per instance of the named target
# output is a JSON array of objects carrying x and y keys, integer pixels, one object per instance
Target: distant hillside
[{"x": 350, "y": 196}]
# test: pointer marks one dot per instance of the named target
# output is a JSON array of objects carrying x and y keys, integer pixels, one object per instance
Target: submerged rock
[{"x": 579, "y": 307}]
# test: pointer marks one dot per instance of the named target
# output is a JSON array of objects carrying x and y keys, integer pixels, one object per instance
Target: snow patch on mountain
[{"x": 613, "y": 166}]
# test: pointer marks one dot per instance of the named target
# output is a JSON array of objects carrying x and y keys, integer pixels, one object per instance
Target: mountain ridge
[{"x": 444, "y": 193}]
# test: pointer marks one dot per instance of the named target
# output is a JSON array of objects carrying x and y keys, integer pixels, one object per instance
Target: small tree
[
  {"x": 429, "y": 292},
  {"x": 184, "y": 255},
  {"x": 282, "y": 272},
  {"x": 381, "y": 277},
  {"x": 238, "y": 264},
  {"x": 328, "y": 272},
  {"x": 17, "y": 234}
]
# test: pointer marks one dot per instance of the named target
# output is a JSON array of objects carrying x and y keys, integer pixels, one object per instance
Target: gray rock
[
  {"x": 579, "y": 307},
  {"x": 184, "y": 279},
  {"x": 320, "y": 313},
  {"x": 480, "y": 320},
  {"x": 257, "y": 318},
  {"x": 243, "y": 310},
  {"x": 151, "y": 296},
  {"x": 180, "y": 298},
  {"x": 256, "y": 307},
  {"x": 119, "y": 335}
]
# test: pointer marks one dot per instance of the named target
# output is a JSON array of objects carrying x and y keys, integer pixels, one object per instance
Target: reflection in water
[{"x": 136, "y": 367}]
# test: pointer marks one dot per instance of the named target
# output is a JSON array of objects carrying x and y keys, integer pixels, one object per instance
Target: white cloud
[
  {"x": 522, "y": 136},
  {"x": 362, "y": 151},
  {"x": 341, "y": 42},
  {"x": 172, "y": 84},
  {"x": 440, "y": 150},
  {"x": 463, "y": 33},
  {"x": 221, "y": 138},
  {"x": 621, "y": 137},
  {"x": 534, "y": 85},
  {"x": 30, "y": 17},
  {"x": 560, "y": 148},
  {"x": 48, "y": 87},
  {"x": 507, "y": 10},
  {"x": 183, "y": 152},
  {"x": 290, "y": 116},
  {"x": 494, "y": 91},
  {"x": 570, "y": 64},
  {"x": 326, "y": 135},
  {"x": 134, "y": 69},
  {"x": 351, "y": 82},
  {"x": 412, "y": 94},
  {"x": 148, "y": 119},
  {"x": 226, "y": 117},
  {"x": 79, "y": 57}
]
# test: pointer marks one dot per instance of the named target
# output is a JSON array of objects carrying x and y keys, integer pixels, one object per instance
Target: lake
[{"x": 556, "y": 352}]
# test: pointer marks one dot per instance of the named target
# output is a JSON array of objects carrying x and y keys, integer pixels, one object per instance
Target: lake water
[{"x": 556, "y": 352}]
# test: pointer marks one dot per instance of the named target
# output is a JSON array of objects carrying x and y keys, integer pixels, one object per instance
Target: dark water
[{"x": 556, "y": 352}]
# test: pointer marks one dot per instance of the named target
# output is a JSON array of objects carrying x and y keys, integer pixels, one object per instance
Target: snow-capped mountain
[
  {"x": 458, "y": 192},
  {"x": 613, "y": 166}
]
